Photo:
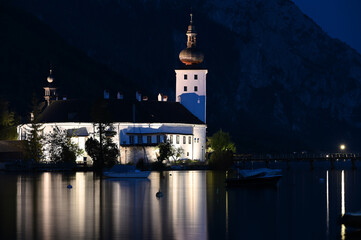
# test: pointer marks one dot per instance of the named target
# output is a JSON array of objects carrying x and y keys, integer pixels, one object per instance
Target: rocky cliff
[{"x": 276, "y": 81}]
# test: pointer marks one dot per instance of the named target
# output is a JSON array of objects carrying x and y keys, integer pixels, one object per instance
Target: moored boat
[
  {"x": 256, "y": 177},
  {"x": 125, "y": 171}
]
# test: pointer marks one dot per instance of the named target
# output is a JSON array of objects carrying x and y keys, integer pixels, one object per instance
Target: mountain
[
  {"x": 277, "y": 82},
  {"x": 29, "y": 47}
]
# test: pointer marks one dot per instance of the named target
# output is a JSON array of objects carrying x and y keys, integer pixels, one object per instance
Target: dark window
[
  {"x": 165, "y": 138},
  {"x": 185, "y": 76},
  {"x": 140, "y": 139},
  {"x": 131, "y": 139},
  {"x": 184, "y": 140},
  {"x": 195, "y": 77},
  {"x": 149, "y": 139},
  {"x": 187, "y": 154},
  {"x": 189, "y": 140},
  {"x": 177, "y": 139},
  {"x": 195, "y": 88},
  {"x": 158, "y": 138},
  {"x": 171, "y": 139},
  {"x": 185, "y": 88}
]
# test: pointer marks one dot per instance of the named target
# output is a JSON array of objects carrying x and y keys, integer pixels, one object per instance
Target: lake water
[{"x": 195, "y": 205}]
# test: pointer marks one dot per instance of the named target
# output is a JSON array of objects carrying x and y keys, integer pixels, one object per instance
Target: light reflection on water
[{"x": 195, "y": 205}]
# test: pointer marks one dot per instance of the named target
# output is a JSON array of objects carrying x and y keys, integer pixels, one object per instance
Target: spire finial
[{"x": 191, "y": 17}]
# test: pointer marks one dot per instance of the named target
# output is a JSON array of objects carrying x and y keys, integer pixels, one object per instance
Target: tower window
[
  {"x": 185, "y": 88},
  {"x": 195, "y": 88},
  {"x": 177, "y": 139},
  {"x": 149, "y": 139},
  {"x": 171, "y": 139},
  {"x": 189, "y": 140},
  {"x": 184, "y": 140},
  {"x": 158, "y": 138},
  {"x": 195, "y": 77},
  {"x": 140, "y": 139},
  {"x": 185, "y": 76},
  {"x": 131, "y": 139}
]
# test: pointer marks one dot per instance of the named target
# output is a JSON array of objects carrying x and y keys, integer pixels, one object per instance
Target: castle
[{"x": 140, "y": 124}]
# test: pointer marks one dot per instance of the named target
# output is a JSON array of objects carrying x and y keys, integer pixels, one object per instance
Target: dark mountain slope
[
  {"x": 28, "y": 47},
  {"x": 276, "y": 81}
]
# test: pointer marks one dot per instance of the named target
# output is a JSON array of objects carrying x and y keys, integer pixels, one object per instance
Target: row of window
[
  {"x": 186, "y": 77},
  {"x": 171, "y": 139},
  {"x": 195, "y": 88}
]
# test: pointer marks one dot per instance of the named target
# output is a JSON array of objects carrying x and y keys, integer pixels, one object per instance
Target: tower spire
[{"x": 191, "y": 55}]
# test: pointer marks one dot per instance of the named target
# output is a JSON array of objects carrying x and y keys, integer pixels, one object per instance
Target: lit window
[
  {"x": 185, "y": 88},
  {"x": 195, "y": 88},
  {"x": 189, "y": 140},
  {"x": 184, "y": 140},
  {"x": 140, "y": 139},
  {"x": 195, "y": 77},
  {"x": 171, "y": 139},
  {"x": 177, "y": 139},
  {"x": 131, "y": 139},
  {"x": 185, "y": 76},
  {"x": 149, "y": 139}
]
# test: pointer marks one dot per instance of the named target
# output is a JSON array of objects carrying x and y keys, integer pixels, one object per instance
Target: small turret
[{"x": 50, "y": 90}]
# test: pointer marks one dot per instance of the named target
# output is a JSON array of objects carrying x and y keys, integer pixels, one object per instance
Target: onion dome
[
  {"x": 191, "y": 55},
  {"x": 50, "y": 77}
]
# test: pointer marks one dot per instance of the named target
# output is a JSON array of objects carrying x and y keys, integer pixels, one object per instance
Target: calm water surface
[{"x": 195, "y": 205}]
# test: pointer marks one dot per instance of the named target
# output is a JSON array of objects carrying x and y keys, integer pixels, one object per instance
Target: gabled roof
[{"x": 118, "y": 111}]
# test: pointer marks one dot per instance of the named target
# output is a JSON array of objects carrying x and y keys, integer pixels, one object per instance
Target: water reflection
[
  {"x": 195, "y": 205},
  {"x": 126, "y": 209}
]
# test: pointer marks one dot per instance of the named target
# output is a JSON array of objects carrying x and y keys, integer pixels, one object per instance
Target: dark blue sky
[{"x": 339, "y": 18}]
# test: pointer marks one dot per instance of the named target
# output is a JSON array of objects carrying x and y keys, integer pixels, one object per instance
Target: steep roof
[{"x": 117, "y": 111}]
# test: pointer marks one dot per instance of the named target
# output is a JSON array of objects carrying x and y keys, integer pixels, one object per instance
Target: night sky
[{"x": 339, "y": 18}]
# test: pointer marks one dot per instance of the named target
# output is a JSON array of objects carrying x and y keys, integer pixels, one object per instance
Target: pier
[{"x": 241, "y": 159}]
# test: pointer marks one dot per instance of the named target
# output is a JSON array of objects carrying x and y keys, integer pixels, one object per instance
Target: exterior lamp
[{"x": 342, "y": 147}]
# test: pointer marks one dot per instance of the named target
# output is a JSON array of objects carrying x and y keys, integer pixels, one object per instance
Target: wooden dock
[{"x": 241, "y": 159}]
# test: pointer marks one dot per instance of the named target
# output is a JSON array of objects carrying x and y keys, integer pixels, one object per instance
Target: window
[
  {"x": 149, "y": 139},
  {"x": 185, "y": 76},
  {"x": 177, "y": 139},
  {"x": 195, "y": 77},
  {"x": 189, "y": 140},
  {"x": 185, "y": 88},
  {"x": 197, "y": 140},
  {"x": 140, "y": 139},
  {"x": 165, "y": 138},
  {"x": 184, "y": 140},
  {"x": 158, "y": 138},
  {"x": 187, "y": 154},
  {"x": 131, "y": 139},
  {"x": 195, "y": 88},
  {"x": 171, "y": 139}
]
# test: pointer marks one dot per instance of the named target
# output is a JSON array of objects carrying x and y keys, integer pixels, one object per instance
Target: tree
[
  {"x": 104, "y": 151},
  {"x": 166, "y": 150},
  {"x": 7, "y": 122},
  {"x": 60, "y": 146},
  {"x": 221, "y": 149},
  {"x": 35, "y": 135}
]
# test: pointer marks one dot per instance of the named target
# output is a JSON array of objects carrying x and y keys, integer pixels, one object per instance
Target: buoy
[
  {"x": 69, "y": 186},
  {"x": 159, "y": 194}
]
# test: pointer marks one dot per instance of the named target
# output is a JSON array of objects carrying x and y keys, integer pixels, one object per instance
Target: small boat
[
  {"x": 125, "y": 171},
  {"x": 257, "y": 177},
  {"x": 352, "y": 220}
]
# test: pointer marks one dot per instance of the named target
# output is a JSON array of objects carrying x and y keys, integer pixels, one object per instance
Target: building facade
[{"x": 140, "y": 125}]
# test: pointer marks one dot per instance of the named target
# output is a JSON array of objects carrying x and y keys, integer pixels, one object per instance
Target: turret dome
[{"x": 191, "y": 55}]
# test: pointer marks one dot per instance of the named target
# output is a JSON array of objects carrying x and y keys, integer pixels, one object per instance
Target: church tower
[
  {"x": 191, "y": 78},
  {"x": 50, "y": 90}
]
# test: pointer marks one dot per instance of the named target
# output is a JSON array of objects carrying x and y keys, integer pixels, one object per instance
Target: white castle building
[{"x": 140, "y": 125}]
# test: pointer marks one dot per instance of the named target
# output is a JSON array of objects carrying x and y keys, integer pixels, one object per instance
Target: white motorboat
[{"x": 125, "y": 171}]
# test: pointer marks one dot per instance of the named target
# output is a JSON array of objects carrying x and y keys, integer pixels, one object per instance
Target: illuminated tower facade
[{"x": 191, "y": 78}]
